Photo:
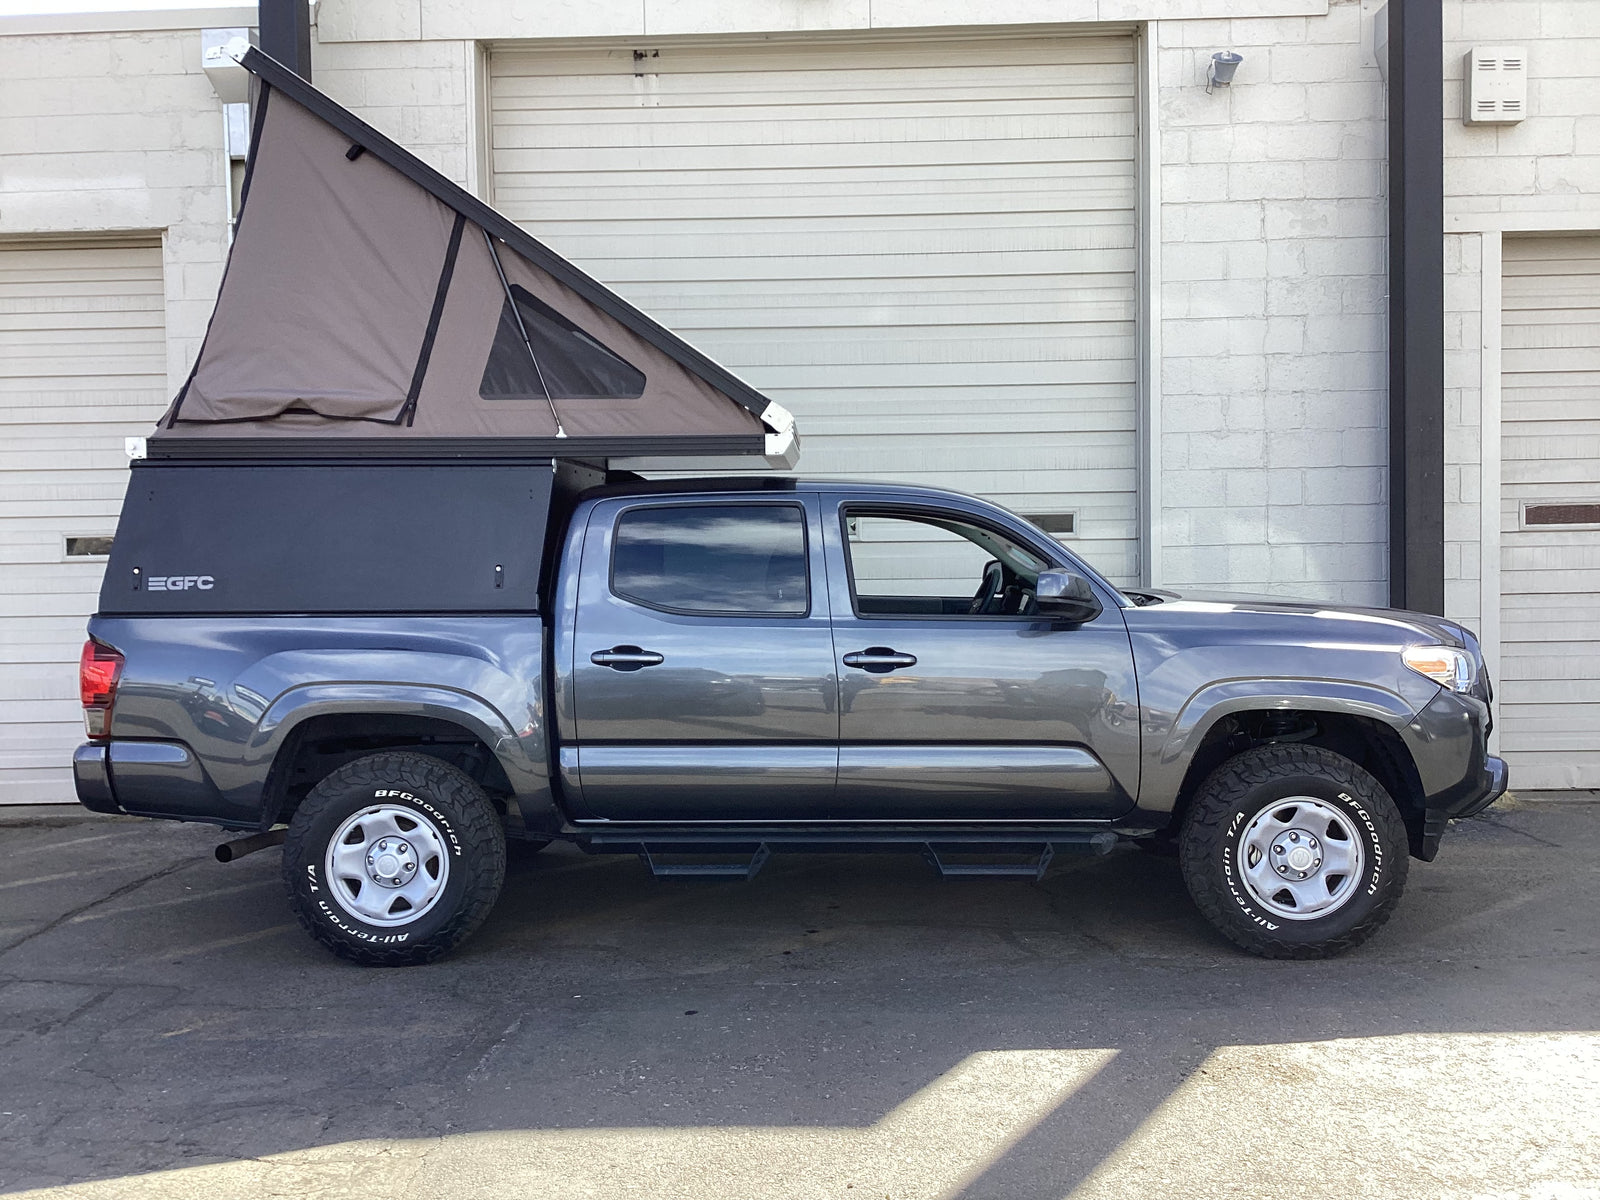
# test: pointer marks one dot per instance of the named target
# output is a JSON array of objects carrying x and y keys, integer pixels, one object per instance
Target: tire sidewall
[
  {"x": 305, "y": 864},
  {"x": 1383, "y": 868}
]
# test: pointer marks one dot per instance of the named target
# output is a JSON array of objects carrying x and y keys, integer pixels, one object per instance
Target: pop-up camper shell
[
  {"x": 397, "y": 392},
  {"x": 370, "y": 305}
]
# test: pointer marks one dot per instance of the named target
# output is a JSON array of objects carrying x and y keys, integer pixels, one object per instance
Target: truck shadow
[{"x": 838, "y": 1019}]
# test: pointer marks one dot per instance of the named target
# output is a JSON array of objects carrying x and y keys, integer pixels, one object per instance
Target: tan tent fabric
[
  {"x": 362, "y": 300},
  {"x": 329, "y": 285},
  {"x": 674, "y": 401}
]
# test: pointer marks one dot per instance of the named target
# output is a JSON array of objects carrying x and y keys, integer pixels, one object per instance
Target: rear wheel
[
  {"x": 394, "y": 859},
  {"x": 1293, "y": 851}
]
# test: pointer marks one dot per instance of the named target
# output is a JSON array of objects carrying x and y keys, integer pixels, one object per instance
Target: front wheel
[
  {"x": 394, "y": 859},
  {"x": 1294, "y": 851}
]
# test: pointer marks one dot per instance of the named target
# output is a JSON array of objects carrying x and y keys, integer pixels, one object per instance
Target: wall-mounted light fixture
[{"x": 1223, "y": 64}]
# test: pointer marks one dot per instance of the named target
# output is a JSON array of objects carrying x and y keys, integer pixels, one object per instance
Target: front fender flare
[{"x": 1165, "y": 768}]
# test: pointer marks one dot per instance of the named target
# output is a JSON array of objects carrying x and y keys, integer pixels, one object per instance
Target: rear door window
[{"x": 713, "y": 559}]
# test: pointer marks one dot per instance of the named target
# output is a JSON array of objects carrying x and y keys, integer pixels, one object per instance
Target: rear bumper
[
  {"x": 148, "y": 779},
  {"x": 91, "y": 775}
]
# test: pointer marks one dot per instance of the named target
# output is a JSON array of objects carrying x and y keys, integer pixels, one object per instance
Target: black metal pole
[
  {"x": 1416, "y": 305},
  {"x": 285, "y": 33}
]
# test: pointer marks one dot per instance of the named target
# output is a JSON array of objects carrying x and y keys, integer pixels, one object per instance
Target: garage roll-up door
[
  {"x": 83, "y": 364},
  {"x": 1550, "y": 512},
  {"x": 924, "y": 248}
]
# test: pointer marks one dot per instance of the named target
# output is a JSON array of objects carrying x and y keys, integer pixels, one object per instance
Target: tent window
[{"x": 575, "y": 366}]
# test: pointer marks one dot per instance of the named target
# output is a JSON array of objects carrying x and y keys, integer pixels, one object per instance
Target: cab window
[{"x": 730, "y": 559}]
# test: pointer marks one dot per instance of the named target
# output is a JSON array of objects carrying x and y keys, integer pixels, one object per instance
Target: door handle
[
  {"x": 626, "y": 658},
  {"x": 879, "y": 660}
]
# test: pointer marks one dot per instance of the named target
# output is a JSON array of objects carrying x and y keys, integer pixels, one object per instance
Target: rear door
[{"x": 702, "y": 670}]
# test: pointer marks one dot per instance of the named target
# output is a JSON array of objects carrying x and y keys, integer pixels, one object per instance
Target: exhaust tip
[{"x": 229, "y": 851}]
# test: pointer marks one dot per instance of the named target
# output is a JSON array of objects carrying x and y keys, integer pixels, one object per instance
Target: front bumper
[
  {"x": 1496, "y": 778},
  {"x": 1449, "y": 743},
  {"x": 1492, "y": 785}
]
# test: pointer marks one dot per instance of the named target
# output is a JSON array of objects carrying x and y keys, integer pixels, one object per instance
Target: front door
[
  {"x": 957, "y": 699},
  {"x": 701, "y": 673}
]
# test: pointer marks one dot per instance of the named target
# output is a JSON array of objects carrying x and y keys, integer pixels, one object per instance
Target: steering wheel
[{"x": 989, "y": 590}]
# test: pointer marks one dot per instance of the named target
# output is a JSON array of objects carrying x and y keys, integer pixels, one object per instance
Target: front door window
[{"x": 908, "y": 564}]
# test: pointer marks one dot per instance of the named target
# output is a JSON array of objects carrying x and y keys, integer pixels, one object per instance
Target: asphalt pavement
[{"x": 842, "y": 1026}]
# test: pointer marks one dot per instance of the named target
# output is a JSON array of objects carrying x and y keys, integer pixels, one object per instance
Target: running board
[
  {"x": 1096, "y": 844},
  {"x": 705, "y": 870}
]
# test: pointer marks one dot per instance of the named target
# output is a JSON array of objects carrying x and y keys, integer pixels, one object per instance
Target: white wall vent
[{"x": 1497, "y": 85}]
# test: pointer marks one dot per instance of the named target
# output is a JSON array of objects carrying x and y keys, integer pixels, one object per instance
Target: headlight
[{"x": 1445, "y": 665}]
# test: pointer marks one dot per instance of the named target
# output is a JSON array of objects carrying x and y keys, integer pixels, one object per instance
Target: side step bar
[
  {"x": 1095, "y": 844},
  {"x": 1043, "y": 852},
  {"x": 705, "y": 870}
]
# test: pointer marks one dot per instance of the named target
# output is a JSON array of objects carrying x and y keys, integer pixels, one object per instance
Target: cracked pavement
[{"x": 844, "y": 1026}]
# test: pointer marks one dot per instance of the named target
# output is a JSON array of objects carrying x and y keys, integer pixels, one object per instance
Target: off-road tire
[
  {"x": 1252, "y": 783},
  {"x": 467, "y": 825}
]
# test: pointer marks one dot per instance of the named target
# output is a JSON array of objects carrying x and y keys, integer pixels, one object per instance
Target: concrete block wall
[
  {"x": 1463, "y": 402},
  {"x": 120, "y": 131},
  {"x": 419, "y": 93},
  {"x": 1274, "y": 379}
]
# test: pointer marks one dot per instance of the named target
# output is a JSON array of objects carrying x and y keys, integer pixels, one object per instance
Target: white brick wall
[{"x": 1273, "y": 331}]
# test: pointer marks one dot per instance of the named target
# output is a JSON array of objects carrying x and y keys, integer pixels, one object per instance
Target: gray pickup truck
[{"x": 703, "y": 672}]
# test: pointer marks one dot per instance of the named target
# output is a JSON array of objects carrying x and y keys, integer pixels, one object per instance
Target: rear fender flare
[{"x": 519, "y": 752}]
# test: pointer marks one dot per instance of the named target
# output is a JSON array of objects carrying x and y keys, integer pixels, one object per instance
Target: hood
[{"x": 1384, "y": 622}]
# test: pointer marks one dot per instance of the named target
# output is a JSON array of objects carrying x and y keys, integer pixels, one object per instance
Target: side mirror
[{"x": 1066, "y": 597}]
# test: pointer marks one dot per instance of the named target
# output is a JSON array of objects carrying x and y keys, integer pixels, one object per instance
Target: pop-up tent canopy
[{"x": 370, "y": 305}]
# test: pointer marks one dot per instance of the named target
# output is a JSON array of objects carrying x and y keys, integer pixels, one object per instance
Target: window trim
[
  {"x": 909, "y": 512},
  {"x": 714, "y": 614}
]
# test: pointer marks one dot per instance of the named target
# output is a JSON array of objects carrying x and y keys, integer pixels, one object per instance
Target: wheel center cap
[
  {"x": 1296, "y": 854},
  {"x": 392, "y": 862}
]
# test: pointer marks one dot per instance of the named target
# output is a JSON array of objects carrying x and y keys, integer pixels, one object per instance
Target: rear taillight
[{"x": 99, "y": 669}]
